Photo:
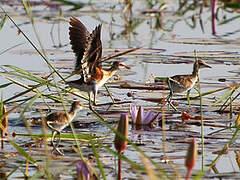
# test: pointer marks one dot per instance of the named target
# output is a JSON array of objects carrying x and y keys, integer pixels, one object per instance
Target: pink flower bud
[
  {"x": 191, "y": 157},
  {"x": 120, "y": 143}
]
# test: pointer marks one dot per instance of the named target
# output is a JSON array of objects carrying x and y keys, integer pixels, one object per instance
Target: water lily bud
[
  {"x": 83, "y": 171},
  {"x": 120, "y": 143},
  {"x": 140, "y": 116},
  {"x": 191, "y": 157}
]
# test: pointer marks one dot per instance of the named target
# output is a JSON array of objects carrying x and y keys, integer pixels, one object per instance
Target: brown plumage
[
  {"x": 57, "y": 121},
  {"x": 88, "y": 50},
  {"x": 183, "y": 83}
]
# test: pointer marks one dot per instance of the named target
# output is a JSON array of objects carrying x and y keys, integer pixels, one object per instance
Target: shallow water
[{"x": 163, "y": 54}]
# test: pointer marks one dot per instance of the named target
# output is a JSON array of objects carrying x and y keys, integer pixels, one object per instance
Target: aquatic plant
[
  {"x": 191, "y": 157},
  {"x": 141, "y": 118},
  {"x": 120, "y": 142},
  {"x": 84, "y": 172}
]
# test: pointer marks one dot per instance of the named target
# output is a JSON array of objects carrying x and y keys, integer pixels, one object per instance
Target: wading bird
[
  {"x": 88, "y": 50},
  {"x": 183, "y": 83},
  {"x": 57, "y": 121}
]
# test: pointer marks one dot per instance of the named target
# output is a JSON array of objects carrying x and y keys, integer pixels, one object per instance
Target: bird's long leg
[
  {"x": 94, "y": 96},
  {"x": 169, "y": 100},
  {"x": 55, "y": 147},
  {"x": 52, "y": 140},
  {"x": 59, "y": 139},
  {"x": 57, "y": 144},
  {"x": 89, "y": 99}
]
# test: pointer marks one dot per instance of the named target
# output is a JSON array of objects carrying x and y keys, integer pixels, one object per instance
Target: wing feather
[
  {"x": 79, "y": 37},
  {"x": 94, "y": 50}
]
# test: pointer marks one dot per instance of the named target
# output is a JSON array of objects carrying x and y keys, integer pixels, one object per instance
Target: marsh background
[{"x": 168, "y": 32}]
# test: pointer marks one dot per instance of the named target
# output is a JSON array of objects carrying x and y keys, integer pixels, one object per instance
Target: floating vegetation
[{"x": 157, "y": 40}]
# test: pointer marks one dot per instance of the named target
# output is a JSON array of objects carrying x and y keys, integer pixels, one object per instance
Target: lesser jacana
[
  {"x": 57, "y": 121},
  {"x": 183, "y": 83},
  {"x": 88, "y": 50}
]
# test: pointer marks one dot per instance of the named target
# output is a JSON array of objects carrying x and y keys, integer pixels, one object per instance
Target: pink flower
[
  {"x": 139, "y": 118},
  {"x": 84, "y": 171}
]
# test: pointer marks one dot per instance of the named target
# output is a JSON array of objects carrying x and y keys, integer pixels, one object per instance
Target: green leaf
[
  {"x": 13, "y": 171},
  {"x": 5, "y": 85},
  {"x": 67, "y": 136},
  {"x": 27, "y": 74},
  {"x": 99, "y": 163},
  {"x": 2, "y": 22},
  {"x": 33, "y": 99},
  {"x": 23, "y": 153},
  {"x": 226, "y": 95}
]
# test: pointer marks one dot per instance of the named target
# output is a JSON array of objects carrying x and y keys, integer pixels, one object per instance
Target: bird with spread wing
[{"x": 88, "y": 50}]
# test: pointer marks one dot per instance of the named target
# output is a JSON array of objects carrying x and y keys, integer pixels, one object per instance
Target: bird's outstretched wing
[
  {"x": 87, "y": 47},
  {"x": 93, "y": 52},
  {"x": 79, "y": 38}
]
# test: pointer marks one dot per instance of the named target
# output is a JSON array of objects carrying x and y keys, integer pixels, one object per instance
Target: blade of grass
[
  {"x": 28, "y": 10},
  {"x": 31, "y": 101},
  {"x": 201, "y": 114},
  {"x": 5, "y": 85},
  {"x": 13, "y": 171},
  {"x": 150, "y": 171},
  {"x": 55, "y": 98},
  {"x": 3, "y": 51},
  {"x": 223, "y": 108},
  {"x": 235, "y": 135},
  {"x": 2, "y": 22},
  {"x": 45, "y": 59},
  {"x": 210, "y": 92},
  {"x": 21, "y": 71},
  {"x": 123, "y": 157},
  {"x": 23, "y": 152},
  {"x": 99, "y": 163},
  {"x": 227, "y": 94},
  {"x": 87, "y": 137},
  {"x": 19, "y": 76},
  {"x": 109, "y": 93}
]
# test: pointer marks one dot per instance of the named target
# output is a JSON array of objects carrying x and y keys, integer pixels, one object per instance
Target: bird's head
[
  {"x": 117, "y": 65},
  {"x": 77, "y": 105},
  {"x": 203, "y": 64}
]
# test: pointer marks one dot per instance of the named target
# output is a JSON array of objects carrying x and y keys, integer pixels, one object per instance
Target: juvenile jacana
[
  {"x": 88, "y": 50},
  {"x": 184, "y": 83},
  {"x": 57, "y": 121}
]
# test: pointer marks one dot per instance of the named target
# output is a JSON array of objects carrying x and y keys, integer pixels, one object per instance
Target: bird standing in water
[
  {"x": 88, "y": 50},
  {"x": 183, "y": 83},
  {"x": 57, "y": 121}
]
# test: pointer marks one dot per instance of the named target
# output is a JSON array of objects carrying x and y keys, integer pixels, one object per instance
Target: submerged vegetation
[{"x": 151, "y": 145}]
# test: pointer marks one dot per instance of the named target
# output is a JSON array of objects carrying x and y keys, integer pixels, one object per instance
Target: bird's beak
[
  {"x": 124, "y": 65},
  {"x": 207, "y": 66}
]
